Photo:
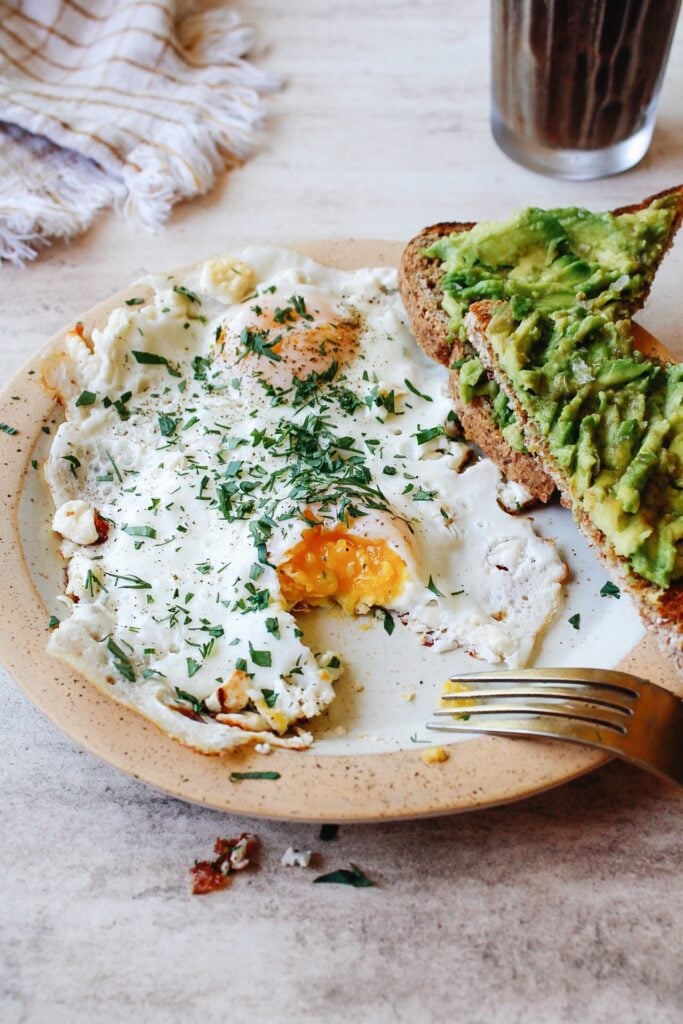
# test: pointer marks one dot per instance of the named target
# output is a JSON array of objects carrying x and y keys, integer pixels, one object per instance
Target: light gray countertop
[{"x": 566, "y": 907}]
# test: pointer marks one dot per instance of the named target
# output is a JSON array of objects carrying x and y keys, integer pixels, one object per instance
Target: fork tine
[
  {"x": 602, "y": 679},
  {"x": 570, "y": 710},
  {"x": 546, "y": 726},
  {"x": 607, "y": 697}
]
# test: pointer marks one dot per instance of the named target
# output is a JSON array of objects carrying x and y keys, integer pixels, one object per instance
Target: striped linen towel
[{"x": 132, "y": 103}]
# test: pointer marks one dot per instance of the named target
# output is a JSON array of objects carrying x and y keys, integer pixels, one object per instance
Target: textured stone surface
[{"x": 564, "y": 908}]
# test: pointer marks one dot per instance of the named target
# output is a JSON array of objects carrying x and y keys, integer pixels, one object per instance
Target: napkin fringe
[{"x": 51, "y": 194}]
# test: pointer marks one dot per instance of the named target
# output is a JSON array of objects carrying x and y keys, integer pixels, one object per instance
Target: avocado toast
[
  {"x": 607, "y": 423},
  {"x": 555, "y": 257}
]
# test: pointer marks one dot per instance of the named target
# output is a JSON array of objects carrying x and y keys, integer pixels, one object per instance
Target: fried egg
[{"x": 259, "y": 437}]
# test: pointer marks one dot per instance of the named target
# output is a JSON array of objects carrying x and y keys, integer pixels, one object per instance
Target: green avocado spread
[{"x": 611, "y": 418}]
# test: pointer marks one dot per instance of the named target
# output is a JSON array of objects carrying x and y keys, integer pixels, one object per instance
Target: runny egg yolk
[{"x": 334, "y": 565}]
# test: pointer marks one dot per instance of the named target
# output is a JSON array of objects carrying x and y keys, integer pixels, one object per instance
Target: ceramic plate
[{"x": 366, "y": 763}]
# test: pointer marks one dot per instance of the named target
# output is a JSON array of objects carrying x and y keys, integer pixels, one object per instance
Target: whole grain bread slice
[
  {"x": 662, "y": 610},
  {"x": 420, "y": 285}
]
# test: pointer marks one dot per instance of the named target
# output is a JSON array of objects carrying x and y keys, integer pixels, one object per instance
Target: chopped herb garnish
[
  {"x": 273, "y": 626},
  {"x": 258, "y": 342},
  {"x": 53, "y": 622},
  {"x": 74, "y": 464},
  {"x": 434, "y": 589},
  {"x": 261, "y": 658},
  {"x": 420, "y": 394},
  {"x": 270, "y": 697},
  {"x": 115, "y": 467},
  {"x": 136, "y": 301},
  {"x": 192, "y": 666},
  {"x": 86, "y": 398},
  {"x": 428, "y": 434},
  {"x": 240, "y": 776},
  {"x": 121, "y": 660},
  {"x": 140, "y": 531},
  {"x": 167, "y": 425},
  {"x": 188, "y": 698},
  {"x": 154, "y": 359},
  {"x": 6, "y": 429},
  {"x": 92, "y": 581},
  {"x": 129, "y": 582},
  {"x": 180, "y": 289},
  {"x": 610, "y": 590},
  {"x": 344, "y": 876},
  {"x": 389, "y": 624},
  {"x": 575, "y": 621}
]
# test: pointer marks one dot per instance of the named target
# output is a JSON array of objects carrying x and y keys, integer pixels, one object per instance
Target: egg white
[{"x": 172, "y": 445}]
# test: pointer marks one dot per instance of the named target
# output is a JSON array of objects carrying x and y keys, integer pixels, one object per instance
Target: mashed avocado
[
  {"x": 612, "y": 419},
  {"x": 555, "y": 259}
]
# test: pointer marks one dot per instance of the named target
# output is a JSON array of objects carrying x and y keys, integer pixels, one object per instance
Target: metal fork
[{"x": 613, "y": 711}]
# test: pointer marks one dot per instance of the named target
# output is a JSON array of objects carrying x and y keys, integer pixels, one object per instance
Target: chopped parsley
[
  {"x": 86, "y": 398},
  {"x": 259, "y": 343},
  {"x": 610, "y": 590},
  {"x": 74, "y": 464},
  {"x": 428, "y": 434},
  {"x": 154, "y": 359},
  {"x": 140, "y": 531},
  {"x": 180, "y": 289},
  {"x": 167, "y": 425},
  {"x": 6, "y": 429},
  {"x": 345, "y": 876},
  {"x": 121, "y": 660},
  {"x": 434, "y": 589},
  {"x": 575, "y": 621},
  {"x": 420, "y": 394},
  {"x": 187, "y": 698},
  {"x": 261, "y": 658},
  {"x": 240, "y": 776}
]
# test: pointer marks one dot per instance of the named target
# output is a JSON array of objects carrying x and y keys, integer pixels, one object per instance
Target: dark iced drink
[{"x": 575, "y": 83}]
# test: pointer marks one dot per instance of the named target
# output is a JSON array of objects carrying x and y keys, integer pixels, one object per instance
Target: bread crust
[
  {"x": 661, "y": 610},
  {"x": 420, "y": 285}
]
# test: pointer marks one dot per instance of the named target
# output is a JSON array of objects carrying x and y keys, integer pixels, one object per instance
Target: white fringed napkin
[{"x": 136, "y": 103}]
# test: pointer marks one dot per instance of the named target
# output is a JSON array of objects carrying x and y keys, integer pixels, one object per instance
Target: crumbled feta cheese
[
  {"x": 227, "y": 279},
  {"x": 75, "y": 520},
  {"x": 293, "y": 858}
]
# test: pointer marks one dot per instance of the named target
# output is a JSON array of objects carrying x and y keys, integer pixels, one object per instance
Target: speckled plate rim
[{"x": 312, "y": 787}]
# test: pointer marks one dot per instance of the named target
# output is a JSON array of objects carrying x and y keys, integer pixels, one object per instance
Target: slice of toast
[
  {"x": 661, "y": 609},
  {"x": 420, "y": 284}
]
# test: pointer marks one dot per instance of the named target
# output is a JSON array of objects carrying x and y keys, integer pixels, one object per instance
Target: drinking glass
[{"x": 575, "y": 83}]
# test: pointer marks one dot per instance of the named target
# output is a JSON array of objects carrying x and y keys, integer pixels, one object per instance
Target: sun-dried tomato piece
[
  {"x": 102, "y": 527},
  {"x": 206, "y": 877},
  {"x": 231, "y": 855}
]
